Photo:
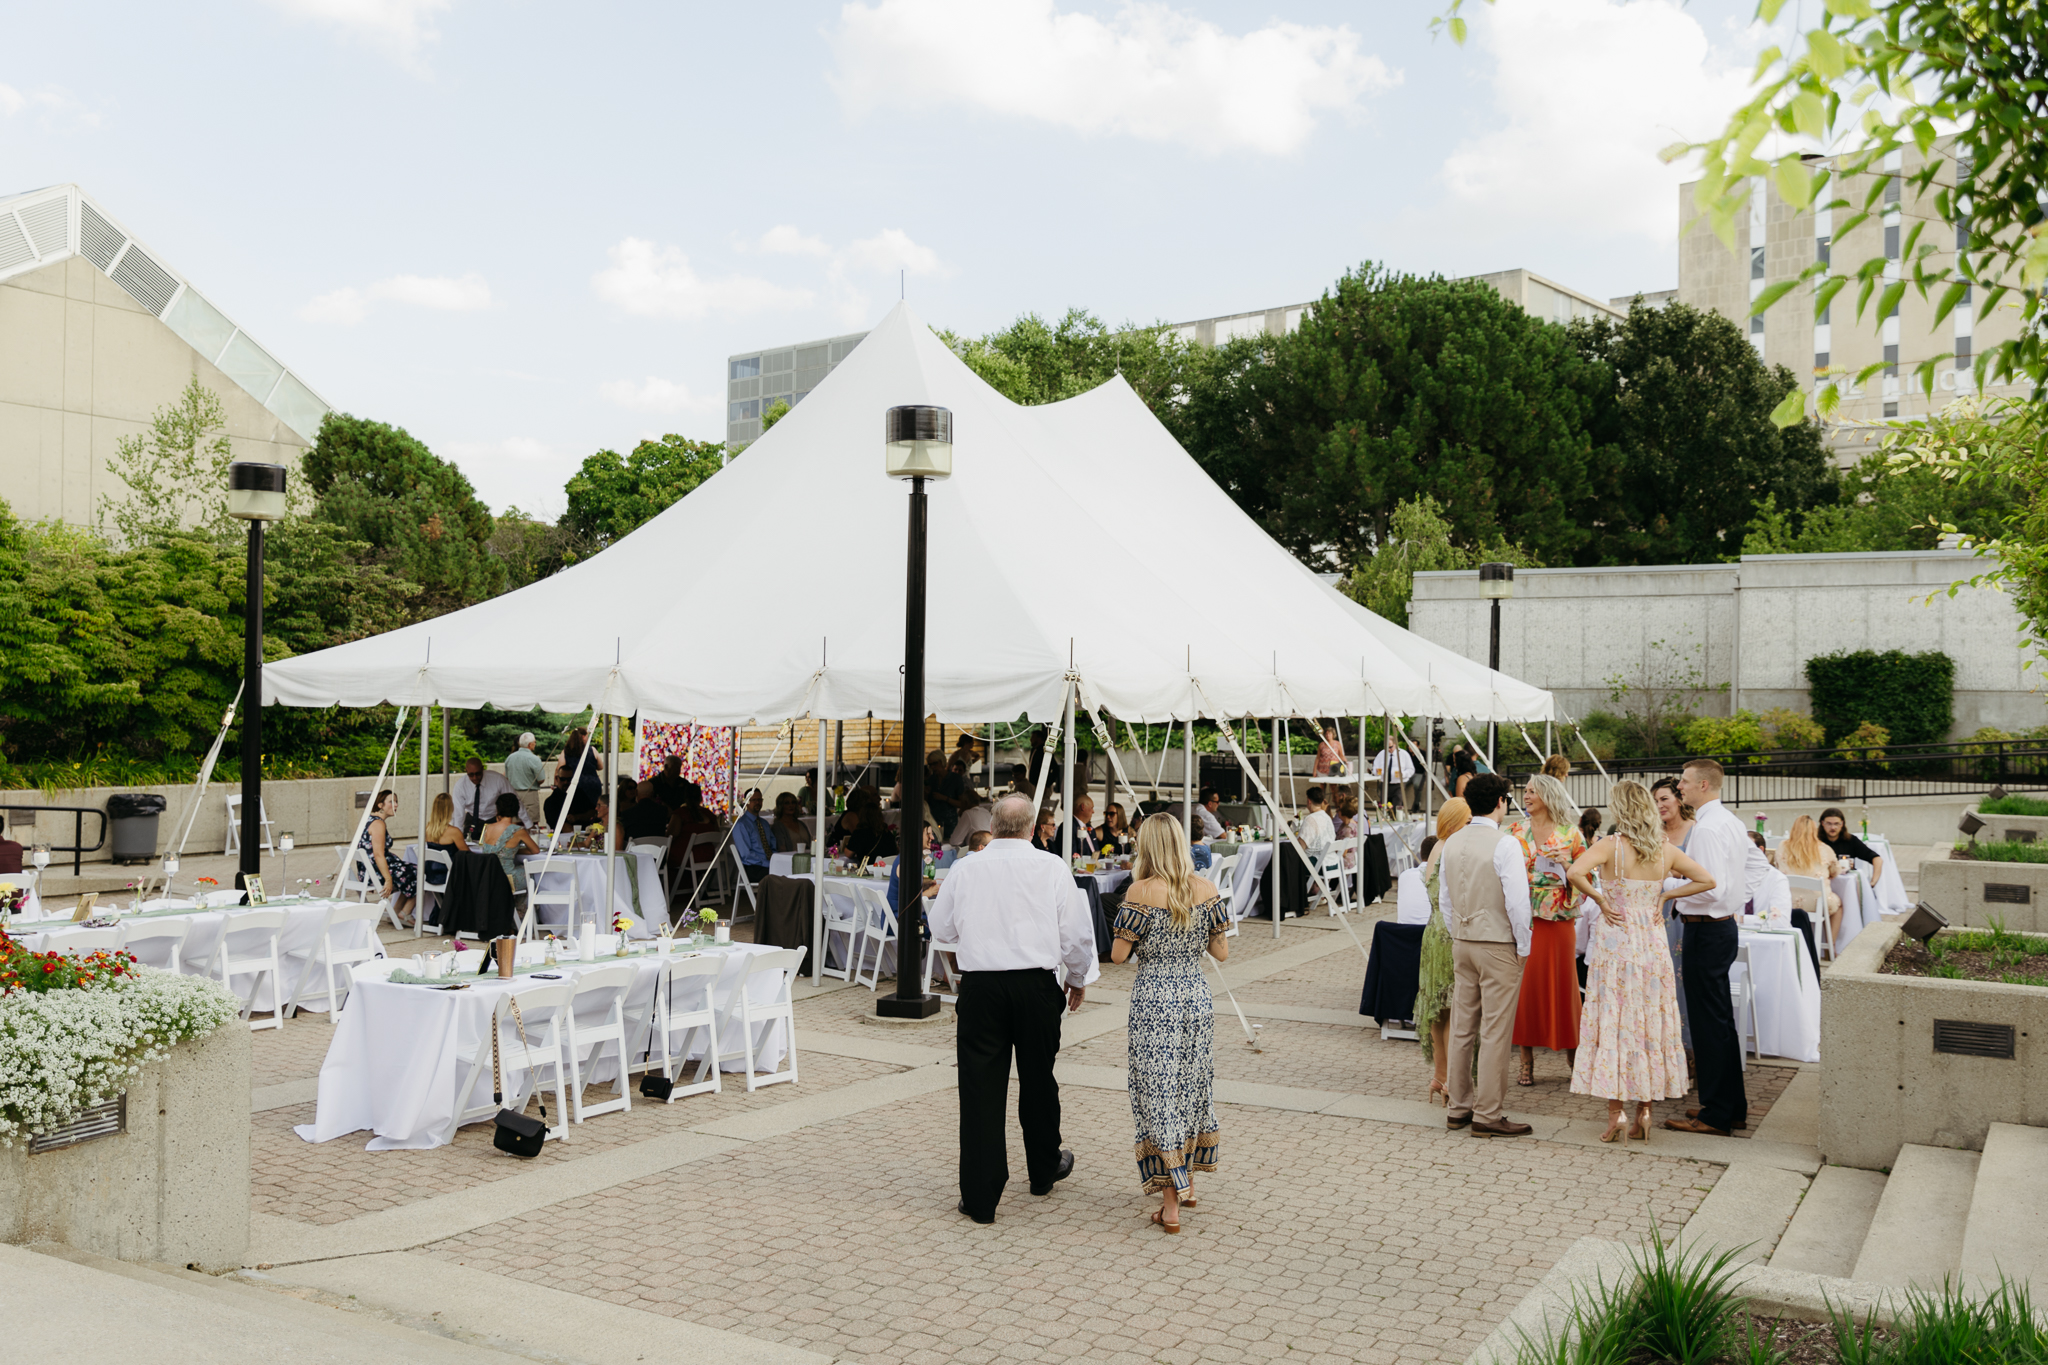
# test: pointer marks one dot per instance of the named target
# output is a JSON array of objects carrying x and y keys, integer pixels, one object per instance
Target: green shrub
[
  {"x": 2003, "y": 851},
  {"x": 1737, "y": 734},
  {"x": 1912, "y": 696},
  {"x": 1948, "y": 1327},
  {"x": 2013, "y": 805},
  {"x": 1785, "y": 728},
  {"x": 1865, "y": 743}
]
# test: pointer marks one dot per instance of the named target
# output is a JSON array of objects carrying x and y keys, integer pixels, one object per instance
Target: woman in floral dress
[
  {"x": 1631, "y": 1050},
  {"x": 1547, "y": 1010},
  {"x": 1168, "y": 919}
]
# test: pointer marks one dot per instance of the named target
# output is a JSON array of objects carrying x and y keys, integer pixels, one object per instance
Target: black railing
[
  {"x": 1829, "y": 776},
  {"x": 78, "y": 847}
]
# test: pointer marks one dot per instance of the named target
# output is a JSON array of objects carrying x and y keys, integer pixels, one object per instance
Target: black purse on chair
[
  {"x": 516, "y": 1134},
  {"x": 655, "y": 1087}
]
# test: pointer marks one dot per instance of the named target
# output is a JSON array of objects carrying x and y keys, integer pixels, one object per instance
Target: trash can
[{"x": 133, "y": 816}]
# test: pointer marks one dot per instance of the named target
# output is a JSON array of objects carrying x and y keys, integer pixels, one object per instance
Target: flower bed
[
  {"x": 1973, "y": 955},
  {"x": 2001, "y": 851}
]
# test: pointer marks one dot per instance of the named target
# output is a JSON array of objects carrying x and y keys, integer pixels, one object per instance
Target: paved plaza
[{"x": 818, "y": 1221}]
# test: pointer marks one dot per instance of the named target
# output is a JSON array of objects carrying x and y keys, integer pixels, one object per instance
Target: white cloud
[
  {"x": 343, "y": 307},
  {"x": 654, "y": 281},
  {"x": 1151, "y": 72},
  {"x": 44, "y": 103},
  {"x": 784, "y": 240},
  {"x": 464, "y": 294},
  {"x": 400, "y": 27},
  {"x": 658, "y": 396},
  {"x": 1589, "y": 91},
  {"x": 889, "y": 250}
]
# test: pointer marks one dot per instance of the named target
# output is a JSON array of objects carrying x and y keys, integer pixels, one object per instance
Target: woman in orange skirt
[{"x": 1547, "y": 1011}]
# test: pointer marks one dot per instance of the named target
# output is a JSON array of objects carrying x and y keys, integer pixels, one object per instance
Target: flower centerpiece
[
  {"x": 621, "y": 922},
  {"x": 707, "y": 921}
]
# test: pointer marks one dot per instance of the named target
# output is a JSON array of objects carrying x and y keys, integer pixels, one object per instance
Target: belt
[{"x": 1706, "y": 919}]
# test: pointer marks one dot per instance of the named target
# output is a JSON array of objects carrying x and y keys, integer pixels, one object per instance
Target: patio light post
[
  {"x": 919, "y": 445},
  {"x": 255, "y": 495},
  {"x": 1496, "y": 585}
]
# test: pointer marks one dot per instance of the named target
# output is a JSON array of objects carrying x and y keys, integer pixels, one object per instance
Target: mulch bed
[
  {"x": 1908, "y": 958},
  {"x": 1804, "y": 1343}
]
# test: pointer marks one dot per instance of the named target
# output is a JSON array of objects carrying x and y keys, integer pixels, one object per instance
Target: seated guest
[
  {"x": 1207, "y": 826},
  {"x": 754, "y": 838},
  {"x": 1084, "y": 823},
  {"x": 1045, "y": 836},
  {"x": 977, "y": 841},
  {"x": 476, "y": 794},
  {"x": 1345, "y": 810},
  {"x": 641, "y": 818},
  {"x": 10, "y": 852},
  {"x": 507, "y": 838},
  {"x": 1411, "y": 902},
  {"x": 790, "y": 830},
  {"x": 1114, "y": 831},
  {"x": 1803, "y": 854},
  {"x": 551, "y": 808},
  {"x": 1318, "y": 831},
  {"x": 974, "y": 819},
  {"x": 1834, "y": 832},
  {"x": 671, "y": 788},
  {"x": 443, "y": 837},
  {"x": 863, "y": 833},
  {"x": 1020, "y": 779},
  {"x": 693, "y": 817},
  {"x": 1770, "y": 895}
]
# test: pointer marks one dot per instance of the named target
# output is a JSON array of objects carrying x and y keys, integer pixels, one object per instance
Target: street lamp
[
  {"x": 1496, "y": 585},
  {"x": 255, "y": 495},
  {"x": 919, "y": 446}
]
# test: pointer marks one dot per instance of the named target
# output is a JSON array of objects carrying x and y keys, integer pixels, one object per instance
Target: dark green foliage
[
  {"x": 2013, "y": 805},
  {"x": 1912, "y": 696},
  {"x": 1881, "y": 506},
  {"x": 385, "y": 488},
  {"x": 609, "y": 497},
  {"x": 532, "y": 549},
  {"x": 1948, "y": 1328},
  {"x": 1688, "y": 410},
  {"x": 1032, "y": 362}
]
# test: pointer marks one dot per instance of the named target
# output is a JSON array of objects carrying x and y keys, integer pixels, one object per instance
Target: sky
[{"x": 529, "y": 232}]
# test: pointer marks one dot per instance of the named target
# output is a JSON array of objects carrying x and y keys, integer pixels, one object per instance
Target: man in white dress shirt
[
  {"x": 1484, "y": 894},
  {"x": 1027, "y": 952},
  {"x": 476, "y": 795},
  {"x": 1207, "y": 825},
  {"x": 1721, "y": 846},
  {"x": 1391, "y": 769}
]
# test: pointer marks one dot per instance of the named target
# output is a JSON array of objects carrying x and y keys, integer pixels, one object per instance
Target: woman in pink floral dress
[{"x": 1630, "y": 1050}]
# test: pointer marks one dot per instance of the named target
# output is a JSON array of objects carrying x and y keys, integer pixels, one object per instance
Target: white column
[
  {"x": 611, "y": 824},
  {"x": 819, "y": 803},
  {"x": 1279, "y": 830},
  {"x": 1067, "y": 785}
]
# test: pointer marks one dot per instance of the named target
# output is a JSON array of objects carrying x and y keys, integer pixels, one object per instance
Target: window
[
  {"x": 1821, "y": 251},
  {"x": 1891, "y": 409},
  {"x": 1820, "y": 362},
  {"x": 1891, "y": 241},
  {"x": 1962, "y": 350},
  {"x": 746, "y": 369},
  {"x": 743, "y": 412},
  {"x": 1756, "y": 262},
  {"x": 777, "y": 363}
]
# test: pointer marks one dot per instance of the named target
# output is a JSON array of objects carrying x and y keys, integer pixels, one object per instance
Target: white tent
[
  {"x": 1074, "y": 538},
  {"x": 1459, "y": 686}
]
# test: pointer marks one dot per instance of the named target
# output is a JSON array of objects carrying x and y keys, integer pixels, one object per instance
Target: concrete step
[
  {"x": 1916, "y": 1235},
  {"x": 1745, "y": 1212},
  {"x": 2008, "y": 1224},
  {"x": 1828, "y": 1232}
]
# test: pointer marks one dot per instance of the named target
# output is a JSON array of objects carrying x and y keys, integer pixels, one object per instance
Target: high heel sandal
[
  {"x": 1642, "y": 1118},
  {"x": 1618, "y": 1129},
  {"x": 1528, "y": 1074},
  {"x": 1159, "y": 1217},
  {"x": 1439, "y": 1093}
]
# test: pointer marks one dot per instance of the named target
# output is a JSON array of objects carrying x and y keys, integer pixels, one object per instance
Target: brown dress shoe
[
  {"x": 1507, "y": 1127},
  {"x": 1694, "y": 1126},
  {"x": 1694, "y": 1113}
]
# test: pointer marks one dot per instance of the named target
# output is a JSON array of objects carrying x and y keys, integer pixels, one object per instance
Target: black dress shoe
[
  {"x": 1066, "y": 1168},
  {"x": 1454, "y": 1123},
  {"x": 983, "y": 1221}
]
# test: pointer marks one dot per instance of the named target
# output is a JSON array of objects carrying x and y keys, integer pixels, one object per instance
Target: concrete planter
[
  {"x": 1975, "y": 893},
  {"x": 174, "y": 1187},
  {"x": 2019, "y": 829},
  {"x": 1883, "y": 1083}
]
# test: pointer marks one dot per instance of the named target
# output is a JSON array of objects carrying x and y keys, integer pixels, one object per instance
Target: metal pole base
[{"x": 902, "y": 1007}]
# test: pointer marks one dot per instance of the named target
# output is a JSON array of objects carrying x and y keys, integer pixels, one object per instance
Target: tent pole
[
  {"x": 611, "y": 824},
  {"x": 1067, "y": 785},
  {"x": 1279, "y": 830},
  {"x": 446, "y": 785},
  {"x": 1428, "y": 773},
  {"x": 1187, "y": 778},
  {"x": 822, "y": 806},
  {"x": 419, "y": 919}
]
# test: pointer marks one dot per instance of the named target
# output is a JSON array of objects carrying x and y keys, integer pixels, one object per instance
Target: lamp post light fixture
[
  {"x": 1496, "y": 585},
  {"x": 918, "y": 442},
  {"x": 255, "y": 495}
]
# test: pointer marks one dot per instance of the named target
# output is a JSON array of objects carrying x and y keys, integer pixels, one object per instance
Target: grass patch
[
  {"x": 2003, "y": 851},
  {"x": 2013, "y": 805},
  {"x": 1994, "y": 954}
]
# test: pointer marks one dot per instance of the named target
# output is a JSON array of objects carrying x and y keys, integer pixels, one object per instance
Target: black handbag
[
  {"x": 655, "y": 1087},
  {"x": 516, "y": 1134}
]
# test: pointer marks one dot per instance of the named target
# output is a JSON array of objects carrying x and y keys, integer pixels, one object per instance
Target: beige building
[
  {"x": 1775, "y": 241},
  {"x": 96, "y": 333}
]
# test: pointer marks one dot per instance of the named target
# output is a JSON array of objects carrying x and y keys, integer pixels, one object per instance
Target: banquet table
[
  {"x": 1860, "y": 906},
  {"x": 304, "y": 921},
  {"x": 1787, "y": 993},
  {"x": 1248, "y": 886},
  {"x": 392, "y": 1066},
  {"x": 637, "y": 891},
  {"x": 1891, "y": 888}
]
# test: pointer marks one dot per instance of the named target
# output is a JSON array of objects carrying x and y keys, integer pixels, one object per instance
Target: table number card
[
  {"x": 84, "y": 910},
  {"x": 254, "y": 886}
]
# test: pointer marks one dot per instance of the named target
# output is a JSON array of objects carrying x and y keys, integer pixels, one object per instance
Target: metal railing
[
  {"x": 1830, "y": 776},
  {"x": 77, "y": 848}
]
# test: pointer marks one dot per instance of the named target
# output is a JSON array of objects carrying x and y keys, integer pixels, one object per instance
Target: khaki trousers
[
  {"x": 1486, "y": 984},
  {"x": 530, "y": 803}
]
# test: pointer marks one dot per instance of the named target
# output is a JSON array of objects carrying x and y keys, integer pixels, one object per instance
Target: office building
[{"x": 757, "y": 380}]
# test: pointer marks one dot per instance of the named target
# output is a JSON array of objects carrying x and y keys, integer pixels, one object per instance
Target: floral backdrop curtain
[{"x": 706, "y": 751}]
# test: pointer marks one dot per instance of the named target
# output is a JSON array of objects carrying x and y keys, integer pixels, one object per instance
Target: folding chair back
[
  {"x": 79, "y": 942},
  {"x": 945, "y": 957},
  {"x": 167, "y": 934},
  {"x": 597, "y": 1016},
  {"x": 685, "y": 1000},
  {"x": 772, "y": 974},
  {"x": 842, "y": 917},
  {"x": 326, "y": 953},
  {"x": 544, "y": 1009},
  {"x": 234, "y": 840},
  {"x": 701, "y": 867},
  {"x": 532, "y": 921},
  {"x": 1742, "y": 995},
  {"x": 877, "y": 932},
  {"x": 1823, "y": 923},
  {"x": 1225, "y": 876},
  {"x": 248, "y": 947},
  {"x": 741, "y": 883}
]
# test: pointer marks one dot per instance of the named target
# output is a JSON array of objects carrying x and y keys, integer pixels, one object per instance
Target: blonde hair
[
  {"x": 1452, "y": 816},
  {"x": 1802, "y": 850},
  {"x": 1163, "y": 854},
  {"x": 1556, "y": 800},
  {"x": 1636, "y": 820},
  {"x": 440, "y": 818}
]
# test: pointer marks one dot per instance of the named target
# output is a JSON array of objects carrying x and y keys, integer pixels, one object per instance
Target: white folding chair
[
  {"x": 79, "y": 942},
  {"x": 1742, "y": 995},
  {"x": 946, "y": 958},
  {"x": 436, "y": 867},
  {"x": 702, "y": 869},
  {"x": 597, "y": 1015},
  {"x": 736, "y": 1021},
  {"x": 877, "y": 931},
  {"x": 254, "y": 955},
  {"x": 362, "y": 880},
  {"x": 530, "y": 922},
  {"x": 544, "y": 1010},
  {"x": 1225, "y": 873},
  {"x": 842, "y": 917},
  {"x": 658, "y": 846},
  {"x": 1334, "y": 875},
  {"x": 1823, "y": 924},
  {"x": 234, "y": 800},
  {"x": 742, "y": 883},
  {"x": 323, "y": 955},
  {"x": 169, "y": 932},
  {"x": 684, "y": 1002}
]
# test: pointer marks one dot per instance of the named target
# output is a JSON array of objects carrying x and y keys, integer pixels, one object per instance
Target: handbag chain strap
[{"x": 538, "y": 1092}]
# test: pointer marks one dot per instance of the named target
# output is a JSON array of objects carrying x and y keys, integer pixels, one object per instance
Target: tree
[
  {"x": 1883, "y": 504},
  {"x": 609, "y": 497},
  {"x": 1032, "y": 362},
  {"x": 177, "y": 475},
  {"x": 1688, "y": 412},
  {"x": 1418, "y": 540},
  {"x": 773, "y": 413},
  {"x": 532, "y": 549},
  {"x": 386, "y": 489}
]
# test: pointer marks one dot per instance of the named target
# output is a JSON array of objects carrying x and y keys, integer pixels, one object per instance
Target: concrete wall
[
  {"x": 1881, "y": 1082},
  {"x": 82, "y": 365},
  {"x": 174, "y": 1187},
  {"x": 1956, "y": 888},
  {"x": 1751, "y": 624}
]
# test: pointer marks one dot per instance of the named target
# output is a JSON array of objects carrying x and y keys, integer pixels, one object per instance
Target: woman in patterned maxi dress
[
  {"x": 1169, "y": 918},
  {"x": 1629, "y": 1042}
]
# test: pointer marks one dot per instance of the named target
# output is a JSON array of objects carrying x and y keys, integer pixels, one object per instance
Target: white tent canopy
[{"x": 1073, "y": 538}]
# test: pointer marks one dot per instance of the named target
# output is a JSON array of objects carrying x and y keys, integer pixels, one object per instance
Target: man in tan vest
[{"x": 1485, "y": 896}]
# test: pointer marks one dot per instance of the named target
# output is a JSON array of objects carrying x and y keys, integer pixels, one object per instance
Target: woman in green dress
[{"x": 1433, "y": 979}]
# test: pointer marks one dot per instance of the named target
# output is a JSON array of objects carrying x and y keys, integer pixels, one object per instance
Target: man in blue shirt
[{"x": 754, "y": 837}]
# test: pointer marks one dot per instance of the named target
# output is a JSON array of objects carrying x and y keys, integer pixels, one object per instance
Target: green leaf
[
  {"x": 1852, "y": 9},
  {"x": 1771, "y": 295},
  {"x": 1950, "y": 297},
  {"x": 1889, "y": 300},
  {"x": 1825, "y": 51},
  {"x": 1825, "y": 292},
  {"x": 1791, "y": 412},
  {"x": 1795, "y": 186},
  {"x": 1457, "y": 27},
  {"x": 1810, "y": 113},
  {"x": 1765, "y": 60},
  {"x": 1768, "y": 10}
]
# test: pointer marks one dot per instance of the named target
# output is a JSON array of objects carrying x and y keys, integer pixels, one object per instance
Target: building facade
[
  {"x": 96, "y": 334},
  {"x": 757, "y": 380}
]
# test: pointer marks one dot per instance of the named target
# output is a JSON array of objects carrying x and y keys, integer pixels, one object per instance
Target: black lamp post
[
  {"x": 919, "y": 442},
  {"x": 255, "y": 495},
  {"x": 1496, "y": 585}
]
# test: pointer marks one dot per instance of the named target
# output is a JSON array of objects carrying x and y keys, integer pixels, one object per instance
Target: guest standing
[
  {"x": 476, "y": 794},
  {"x": 1632, "y": 1050},
  {"x": 1023, "y": 934},
  {"x": 526, "y": 774},
  {"x": 1437, "y": 968},
  {"x": 1676, "y": 817},
  {"x": 1547, "y": 1011},
  {"x": 1720, "y": 847},
  {"x": 1169, "y": 918},
  {"x": 1391, "y": 769},
  {"x": 1557, "y": 766},
  {"x": 1485, "y": 896},
  {"x": 1329, "y": 754}
]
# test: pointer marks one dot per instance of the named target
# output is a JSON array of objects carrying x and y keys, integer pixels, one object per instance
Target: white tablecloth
[
  {"x": 1247, "y": 889},
  {"x": 1860, "y": 908},
  {"x": 1107, "y": 882},
  {"x": 637, "y": 867},
  {"x": 1787, "y": 995},
  {"x": 1891, "y": 888},
  {"x": 391, "y": 1067},
  {"x": 303, "y": 922},
  {"x": 1402, "y": 842}
]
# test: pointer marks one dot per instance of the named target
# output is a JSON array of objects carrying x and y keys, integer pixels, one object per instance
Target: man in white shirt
[
  {"x": 1391, "y": 769},
  {"x": 1207, "y": 825},
  {"x": 1484, "y": 894},
  {"x": 975, "y": 817},
  {"x": 476, "y": 795},
  {"x": 1027, "y": 952},
  {"x": 1721, "y": 846},
  {"x": 526, "y": 775}
]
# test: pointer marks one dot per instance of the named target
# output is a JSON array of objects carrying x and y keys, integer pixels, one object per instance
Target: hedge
[{"x": 1911, "y": 695}]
